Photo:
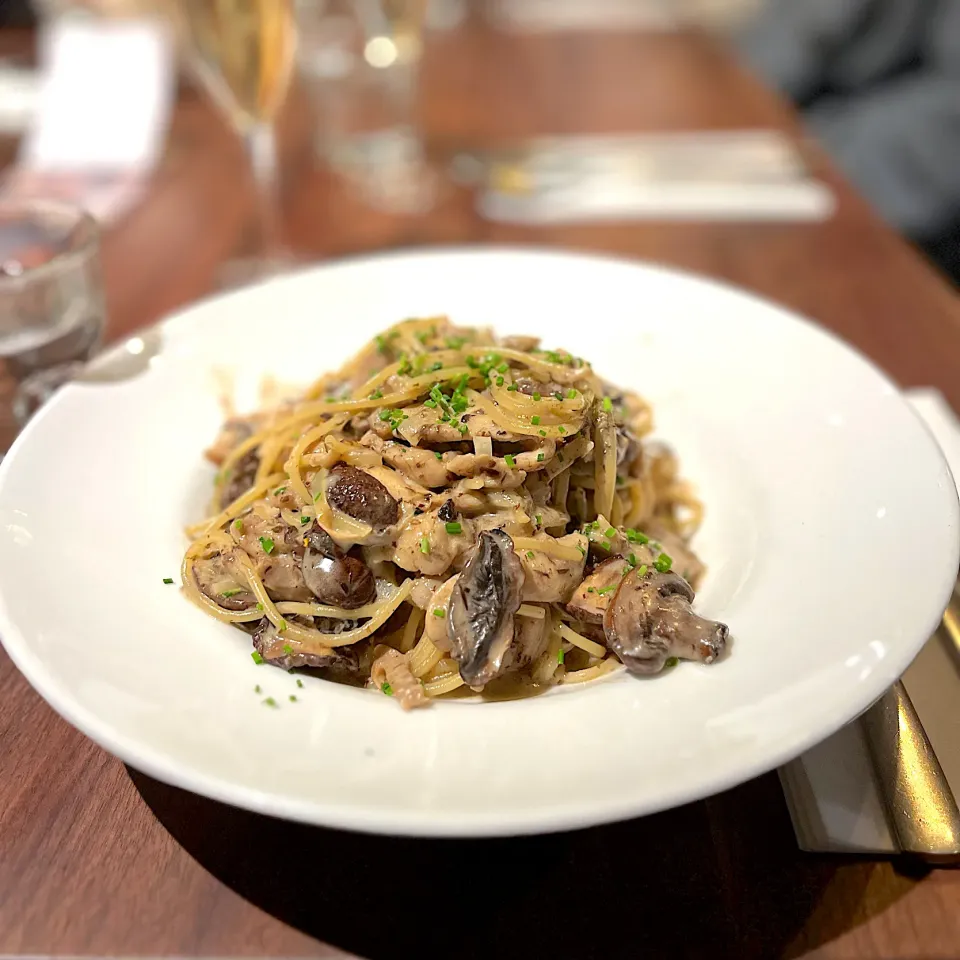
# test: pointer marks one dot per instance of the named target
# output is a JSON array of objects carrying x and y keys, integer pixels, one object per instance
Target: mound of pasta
[{"x": 453, "y": 513}]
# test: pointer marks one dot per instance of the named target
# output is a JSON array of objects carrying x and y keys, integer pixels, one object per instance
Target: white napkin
[
  {"x": 830, "y": 790},
  {"x": 101, "y": 113}
]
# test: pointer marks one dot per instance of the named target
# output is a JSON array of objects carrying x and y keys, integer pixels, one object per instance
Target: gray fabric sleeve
[{"x": 900, "y": 145}]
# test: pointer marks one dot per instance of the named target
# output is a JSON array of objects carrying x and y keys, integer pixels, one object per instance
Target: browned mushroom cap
[
  {"x": 482, "y": 607},
  {"x": 361, "y": 496},
  {"x": 217, "y": 580},
  {"x": 650, "y": 620},
  {"x": 333, "y": 576},
  {"x": 240, "y": 479},
  {"x": 346, "y": 658}
]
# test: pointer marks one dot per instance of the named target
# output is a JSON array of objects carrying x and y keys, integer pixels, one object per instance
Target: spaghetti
[{"x": 353, "y": 533}]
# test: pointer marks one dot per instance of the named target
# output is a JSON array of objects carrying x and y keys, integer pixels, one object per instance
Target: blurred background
[
  {"x": 247, "y": 137},
  {"x": 877, "y": 83}
]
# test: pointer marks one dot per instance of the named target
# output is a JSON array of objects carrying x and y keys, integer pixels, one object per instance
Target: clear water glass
[{"x": 52, "y": 313}]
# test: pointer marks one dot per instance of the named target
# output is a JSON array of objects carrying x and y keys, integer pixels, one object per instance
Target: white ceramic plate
[{"x": 831, "y": 539}]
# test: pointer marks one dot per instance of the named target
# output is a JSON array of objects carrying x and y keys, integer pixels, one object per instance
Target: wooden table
[{"x": 96, "y": 858}]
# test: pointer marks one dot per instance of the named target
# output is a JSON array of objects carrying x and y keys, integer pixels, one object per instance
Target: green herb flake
[
  {"x": 292, "y": 698},
  {"x": 561, "y": 430},
  {"x": 642, "y": 570},
  {"x": 282, "y": 627},
  {"x": 299, "y": 683},
  {"x": 238, "y": 525},
  {"x": 510, "y": 460},
  {"x": 269, "y": 702},
  {"x": 530, "y": 554},
  {"x": 260, "y": 607},
  {"x": 632, "y": 559},
  {"x": 425, "y": 546},
  {"x": 537, "y": 397},
  {"x": 560, "y": 655},
  {"x": 257, "y": 659},
  {"x": 168, "y": 580},
  {"x": 230, "y": 593},
  {"x": 453, "y": 527},
  {"x": 267, "y": 544},
  {"x": 257, "y": 689},
  {"x": 499, "y": 381},
  {"x": 591, "y": 589},
  {"x": 607, "y": 404},
  {"x": 671, "y": 661},
  {"x": 605, "y": 590},
  {"x": 634, "y": 536},
  {"x": 376, "y": 395},
  {"x": 439, "y": 612},
  {"x": 513, "y": 388},
  {"x": 535, "y": 421},
  {"x": 571, "y": 394},
  {"x": 542, "y": 433},
  {"x": 304, "y": 520},
  {"x": 610, "y": 532},
  {"x": 540, "y": 458},
  {"x": 438, "y": 454},
  {"x": 386, "y": 689},
  {"x": 539, "y": 519},
  {"x": 663, "y": 563},
  {"x": 279, "y": 490},
  {"x": 287, "y": 650}
]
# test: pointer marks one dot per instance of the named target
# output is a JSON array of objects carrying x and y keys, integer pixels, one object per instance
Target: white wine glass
[{"x": 242, "y": 51}]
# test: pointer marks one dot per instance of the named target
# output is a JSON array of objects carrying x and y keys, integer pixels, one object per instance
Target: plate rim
[{"x": 400, "y": 821}]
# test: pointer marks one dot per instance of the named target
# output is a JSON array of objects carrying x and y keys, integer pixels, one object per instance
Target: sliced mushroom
[
  {"x": 333, "y": 576},
  {"x": 226, "y": 587},
  {"x": 240, "y": 479},
  {"x": 358, "y": 495},
  {"x": 482, "y": 608},
  {"x": 266, "y": 641},
  {"x": 650, "y": 619}
]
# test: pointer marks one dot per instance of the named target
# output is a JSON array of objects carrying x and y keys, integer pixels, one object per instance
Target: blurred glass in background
[{"x": 359, "y": 61}]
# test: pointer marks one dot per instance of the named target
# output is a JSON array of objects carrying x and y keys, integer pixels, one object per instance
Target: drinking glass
[
  {"x": 242, "y": 51},
  {"x": 360, "y": 63},
  {"x": 52, "y": 312}
]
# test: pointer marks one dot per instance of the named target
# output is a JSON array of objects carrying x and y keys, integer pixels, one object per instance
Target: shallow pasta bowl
[{"x": 831, "y": 538}]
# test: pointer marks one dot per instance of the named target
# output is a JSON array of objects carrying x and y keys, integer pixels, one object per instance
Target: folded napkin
[{"x": 830, "y": 790}]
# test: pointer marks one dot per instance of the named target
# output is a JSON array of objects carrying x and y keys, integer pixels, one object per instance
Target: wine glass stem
[{"x": 261, "y": 145}]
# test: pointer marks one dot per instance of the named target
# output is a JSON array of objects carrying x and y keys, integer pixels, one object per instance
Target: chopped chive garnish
[
  {"x": 503, "y": 367},
  {"x": 257, "y": 689},
  {"x": 571, "y": 394},
  {"x": 510, "y": 460},
  {"x": 387, "y": 689},
  {"x": 238, "y": 524},
  {"x": 439, "y": 612},
  {"x": 299, "y": 683},
  {"x": 634, "y": 536},
  {"x": 317, "y": 496},
  {"x": 424, "y": 545},
  {"x": 257, "y": 659},
  {"x": 230, "y": 593},
  {"x": 642, "y": 570},
  {"x": 278, "y": 491},
  {"x": 267, "y": 544},
  {"x": 610, "y": 532},
  {"x": 292, "y": 698},
  {"x": 540, "y": 458},
  {"x": 605, "y": 544},
  {"x": 632, "y": 559},
  {"x": 530, "y": 554},
  {"x": 260, "y": 607},
  {"x": 612, "y": 586},
  {"x": 430, "y": 403},
  {"x": 663, "y": 563},
  {"x": 535, "y": 421},
  {"x": 269, "y": 702},
  {"x": 607, "y": 404},
  {"x": 282, "y": 627},
  {"x": 287, "y": 650},
  {"x": 438, "y": 454},
  {"x": 561, "y": 430},
  {"x": 536, "y": 397},
  {"x": 671, "y": 661},
  {"x": 168, "y": 579},
  {"x": 542, "y": 433},
  {"x": 304, "y": 520},
  {"x": 453, "y": 527},
  {"x": 499, "y": 381},
  {"x": 560, "y": 655},
  {"x": 539, "y": 519},
  {"x": 512, "y": 388},
  {"x": 591, "y": 590},
  {"x": 376, "y": 395}
]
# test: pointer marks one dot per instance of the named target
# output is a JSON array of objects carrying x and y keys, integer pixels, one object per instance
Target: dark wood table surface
[{"x": 96, "y": 858}]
